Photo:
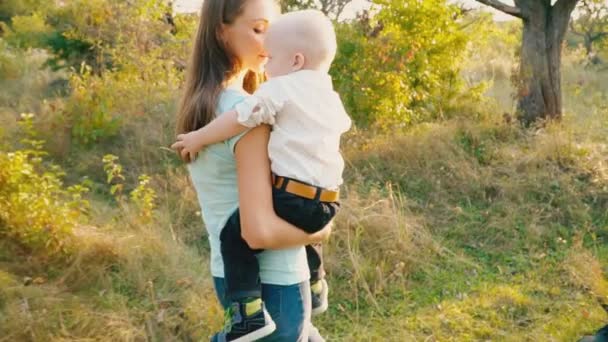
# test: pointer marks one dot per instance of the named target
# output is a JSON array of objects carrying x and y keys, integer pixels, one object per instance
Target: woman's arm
[{"x": 260, "y": 226}]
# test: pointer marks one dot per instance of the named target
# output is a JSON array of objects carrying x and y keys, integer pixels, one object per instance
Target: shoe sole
[
  {"x": 324, "y": 295},
  {"x": 258, "y": 334}
]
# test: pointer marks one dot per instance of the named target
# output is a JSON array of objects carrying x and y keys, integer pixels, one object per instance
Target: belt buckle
[{"x": 279, "y": 181}]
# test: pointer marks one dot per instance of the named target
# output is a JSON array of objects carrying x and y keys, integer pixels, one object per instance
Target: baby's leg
[
  {"x": 241, "y": 268},
  {"x": 249, "y": 320},
  {"x": 311, "y": 216},
  {"x": 318, "y": 285},
  {"x": 314, "y": 254}
]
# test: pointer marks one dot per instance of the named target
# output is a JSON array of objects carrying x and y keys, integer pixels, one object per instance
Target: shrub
[
  {"x": 38, "y": 212},
  {"x": 401, "y": 65}
]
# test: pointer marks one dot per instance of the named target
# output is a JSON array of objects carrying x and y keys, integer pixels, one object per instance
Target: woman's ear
[
  {"x": 298, "y": 62},
  {"x": 220, "y": 34}
]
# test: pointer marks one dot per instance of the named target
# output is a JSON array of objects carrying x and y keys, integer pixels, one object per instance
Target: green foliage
[
  {"x": 129, "y": 66},
  {"x": 99, "y": 105},
  {"x": 37, "y": 211},
  {"x": 114, "y": 174},
  {"x": 474, "y": 146},
  {"x": 9, "y": 66},
  {"x": 591, "y": 24},
  {"x": 402, "y": 65},
  {"x": 331, "y": 8},
  {"x": 90, "y": 108},
  {"x": 143, "y": 197},
  {"x": 28, "y": 30},
  {"x": 10, "y": 9},
  {"x": 88, "y": 31},
  {"x": 67, "y": 52},
  {"x": 109, "y": 29}
]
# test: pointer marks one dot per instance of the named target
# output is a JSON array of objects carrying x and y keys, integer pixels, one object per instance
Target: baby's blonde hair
[{"x": 313, "y": 35}]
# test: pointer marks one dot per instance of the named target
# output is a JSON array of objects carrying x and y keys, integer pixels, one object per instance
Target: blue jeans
[{"x": 289, "y": 306}]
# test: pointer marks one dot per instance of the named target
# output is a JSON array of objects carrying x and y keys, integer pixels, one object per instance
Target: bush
[
  {"x": 123, "y": 61},
  {"x": 401, "y": 65},
  {"x": 28, "y": 30},
  {"x": 9, "y": 9},
  {"x": 38, "y": 212}
]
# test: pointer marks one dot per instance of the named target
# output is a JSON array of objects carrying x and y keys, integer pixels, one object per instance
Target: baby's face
[{"x": 280, "y": 58}]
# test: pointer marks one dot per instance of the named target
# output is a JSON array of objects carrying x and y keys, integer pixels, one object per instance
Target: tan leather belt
[{"x": 304, "y": 190}]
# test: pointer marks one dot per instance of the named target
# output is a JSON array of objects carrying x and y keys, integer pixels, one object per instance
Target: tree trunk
[
  {"x": 592, "y": 56},
  {"x": 539, "y": 88},
  {"x": 588, "y": 45}
]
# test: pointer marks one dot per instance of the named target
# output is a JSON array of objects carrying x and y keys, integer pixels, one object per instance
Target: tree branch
[
  {"x": 565, "y": 5},
  {"x": 560, "y": 17},
  {"x": 340, "y": 8},
  {"x": 599, "y": 36},
  {"x": 558, "y": 22},
  {"x": 497, "y": 4}
]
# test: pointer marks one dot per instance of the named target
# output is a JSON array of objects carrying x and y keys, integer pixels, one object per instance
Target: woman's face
[{"x": 245, "y": 36}]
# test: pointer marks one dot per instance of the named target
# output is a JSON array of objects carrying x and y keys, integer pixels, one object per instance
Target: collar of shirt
[{"x": 323, "y": 79}]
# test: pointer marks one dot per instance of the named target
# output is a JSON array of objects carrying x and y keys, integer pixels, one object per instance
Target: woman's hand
[
  {"x": 321, "y": 235},
  {"x": 260, "y": 226}
]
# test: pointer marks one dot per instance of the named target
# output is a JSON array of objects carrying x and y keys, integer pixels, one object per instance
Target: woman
[{"x": 227, "y": 55}]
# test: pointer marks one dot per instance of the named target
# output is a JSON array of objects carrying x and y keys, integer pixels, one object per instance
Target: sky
[{"x": 356, "y": 5}]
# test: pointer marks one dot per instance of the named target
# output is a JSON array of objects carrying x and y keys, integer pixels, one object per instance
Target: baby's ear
[{"x": 298, "y": 61}]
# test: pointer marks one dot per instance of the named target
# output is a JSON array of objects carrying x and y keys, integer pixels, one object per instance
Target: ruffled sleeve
[{"x": 257, "y": 110}]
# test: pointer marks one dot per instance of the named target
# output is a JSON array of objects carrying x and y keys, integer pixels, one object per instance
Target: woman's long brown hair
[{"x": 211, "y": 64}]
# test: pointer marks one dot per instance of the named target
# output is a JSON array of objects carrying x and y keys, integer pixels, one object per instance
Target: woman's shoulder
[{"x": 229, "y": 98}]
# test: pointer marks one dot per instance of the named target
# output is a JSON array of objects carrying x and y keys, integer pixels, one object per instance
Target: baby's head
[{"x": 300, "y": 40}]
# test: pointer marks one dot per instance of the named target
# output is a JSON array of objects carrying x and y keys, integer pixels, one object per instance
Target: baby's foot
[
  {"x": 246, "y": 321},
  {"x": 319, "y": 291}
]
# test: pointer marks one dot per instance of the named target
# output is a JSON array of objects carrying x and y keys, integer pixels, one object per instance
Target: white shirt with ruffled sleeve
[{"x": 307, "y": 118}]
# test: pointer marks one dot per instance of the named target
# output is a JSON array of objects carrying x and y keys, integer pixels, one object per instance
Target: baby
[{"x": 307, "y": 118}]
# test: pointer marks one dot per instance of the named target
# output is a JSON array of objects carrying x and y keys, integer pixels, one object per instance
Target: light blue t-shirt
[{"x": 213, "y": 174}]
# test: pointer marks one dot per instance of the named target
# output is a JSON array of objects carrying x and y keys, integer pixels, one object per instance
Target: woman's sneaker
[
  {"x": 247, "y": 321},
  {"x": 319, "y": 291}
]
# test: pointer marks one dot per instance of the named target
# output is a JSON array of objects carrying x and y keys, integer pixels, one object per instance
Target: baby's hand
[{"x": 188, "y": 145}]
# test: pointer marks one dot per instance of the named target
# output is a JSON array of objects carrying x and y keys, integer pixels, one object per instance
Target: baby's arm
[
  {"x": 250, "y": 113},
  {"x": 221, "y": 128},
  {"x": 224, "y": 127}
]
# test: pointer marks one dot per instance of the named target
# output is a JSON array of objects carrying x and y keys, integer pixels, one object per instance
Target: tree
[
  {"x": 544, "y": 29},
  {"x": 331, "y": 8},
  {"x": 592, "y": 25}
]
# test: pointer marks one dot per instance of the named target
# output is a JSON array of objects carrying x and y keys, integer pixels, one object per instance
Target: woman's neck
[{"x": 236, "y": 82}]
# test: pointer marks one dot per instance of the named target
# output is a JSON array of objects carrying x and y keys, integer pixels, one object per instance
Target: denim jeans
[{"x": 288, "y": 305}]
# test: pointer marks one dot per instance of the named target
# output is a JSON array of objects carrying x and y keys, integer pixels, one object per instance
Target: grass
[
  {"x": 510, "y": 248},
  {"x": 460, "y": 230}
]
